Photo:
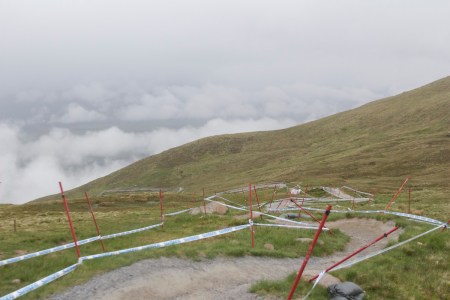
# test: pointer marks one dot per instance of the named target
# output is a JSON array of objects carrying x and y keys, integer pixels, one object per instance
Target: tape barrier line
[
  {"x": 227, "y": 205},
  {"x": 229, "y": 201},
  {"x": 351, "y": 263},
  {"x": 47, "y": 251},
  {"x": 71, "y": 245},
  {"x": 315, "y": 284},
  {"x": 39, "y": 283},
  {"x": 67, "y": 270},
  {"x": 356, "y": 191},
  {"x": 110, "y": 236},
  {"x": 399, "y": 214},
  {"x": 178, "y": 212},
  {"x": 415, "y": 217},
  {"x": 288, "y": 226},
  {"x": 168, "y": 243},
  {"x": 262, "y": 214}
]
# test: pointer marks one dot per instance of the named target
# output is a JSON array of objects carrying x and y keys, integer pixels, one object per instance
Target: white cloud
[
  {"x": 32, "y": 169},
  {"x": 77, "y": 114}
]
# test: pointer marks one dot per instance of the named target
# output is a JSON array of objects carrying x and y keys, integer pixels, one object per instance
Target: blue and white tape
[
  {"x": 71, "y": 245},
  {"x": 350, "y": 263},
  {"x": 289, "y": 226},
  {"x": 227, "y": 205},
  {"x": 47, "y": 251},
  {"x": 168, "y": 243},
  {"x": 229, "y": 201},
  {"x": 415, "y": 217},
  {"x": 409, "y": 216},
  {"x": 110, "y": 236},
  {"x": 39, "y": 283},
  {"x": 67, "y": 270}
]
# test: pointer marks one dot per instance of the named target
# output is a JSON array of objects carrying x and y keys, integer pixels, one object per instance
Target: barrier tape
[
  {"x": 288, "y": 226},
  {"x": 260, "y": 213},
  {"x": 168, "y": 243},
  {"x": 229, "y": 201},
  {"x": 337, "y": 193},
  {"x": 110, "y": 236},
  {"x": 399, "y": 214},
  {"x": 345, "y": 265},
  {"x": 415, "y": 217},
  {"x": 358, "y": 192},
  {"x": 227, "y": 205},
  {"x": 47, "y": 251},
  {"x": 67, "y": 270},
  {"x": 39, "y": 283},
  {"x": 325, "y": 200},
  {"x": 71, "y": 245},
  {"x": 315, "y": 283}
]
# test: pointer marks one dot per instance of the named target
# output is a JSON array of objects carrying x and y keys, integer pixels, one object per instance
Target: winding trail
[{"x": 221, "y": 278}]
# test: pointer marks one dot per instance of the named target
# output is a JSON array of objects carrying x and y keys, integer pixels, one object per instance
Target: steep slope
[{"x": 379, "y": 143}]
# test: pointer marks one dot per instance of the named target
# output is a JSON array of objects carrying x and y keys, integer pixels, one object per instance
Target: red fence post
[
  {"x": 356, "y": 252},
  {"x": 308, "y": 254},
  {"x": 310, "y": 214},
  {"x": 257, "y": 199},
  {"x": 396, "y": 194},
  {"x": 95, "y": 221},
  {"x": 70, "y": 220}
]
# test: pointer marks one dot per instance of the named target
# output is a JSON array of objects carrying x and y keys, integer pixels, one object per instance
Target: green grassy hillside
[{"x": 373, "y": 147}]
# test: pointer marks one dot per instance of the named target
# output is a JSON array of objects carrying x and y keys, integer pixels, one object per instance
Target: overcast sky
[{"x": 87, "y": 87}]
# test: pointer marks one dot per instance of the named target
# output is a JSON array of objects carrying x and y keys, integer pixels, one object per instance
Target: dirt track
[{"x": 222, "y": 278}]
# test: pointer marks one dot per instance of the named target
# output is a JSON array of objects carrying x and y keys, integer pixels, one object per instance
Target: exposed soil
[{"x": 221, "y": 278}]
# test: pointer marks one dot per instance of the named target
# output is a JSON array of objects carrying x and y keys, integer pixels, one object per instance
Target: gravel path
[{"x": 221, "y": 278}]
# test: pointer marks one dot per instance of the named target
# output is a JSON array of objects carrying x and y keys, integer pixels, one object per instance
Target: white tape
[
  {"x": 315, "y": 283},
  {"x": 351, "y": 263},
  {"x": 47, "y": 251},
  {"x": 71, "y": 245},
  {"x": 168, "y": 243},
  {"x": 131, "y": 231},
  {"x": 39, "y": 283},
  {"x": 289, "y": 226}
]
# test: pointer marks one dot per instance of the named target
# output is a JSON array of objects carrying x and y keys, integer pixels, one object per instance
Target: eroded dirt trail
[{"x": 221, "y": 278}]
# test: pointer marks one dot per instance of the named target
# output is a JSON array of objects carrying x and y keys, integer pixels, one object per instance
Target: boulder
[{"x": 345, "y": 290}]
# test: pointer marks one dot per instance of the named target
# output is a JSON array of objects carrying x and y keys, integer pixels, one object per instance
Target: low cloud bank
[{"x": 32, "y": 168}]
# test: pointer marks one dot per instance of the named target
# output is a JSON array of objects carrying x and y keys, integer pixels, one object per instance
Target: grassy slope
[{"x": 372, "y": 147}]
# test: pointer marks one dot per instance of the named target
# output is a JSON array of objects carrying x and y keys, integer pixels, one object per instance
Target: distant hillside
[{"x": 377, "y": 144}]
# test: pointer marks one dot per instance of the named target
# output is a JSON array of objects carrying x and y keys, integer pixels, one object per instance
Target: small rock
[
  {"x": 269, "y": 247},
  {"x": 21, "y": 252},
  {"x": 304, "y": 240},
  {"x": 308, "y": 240},
  {"x": 16, "y": 281}
]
